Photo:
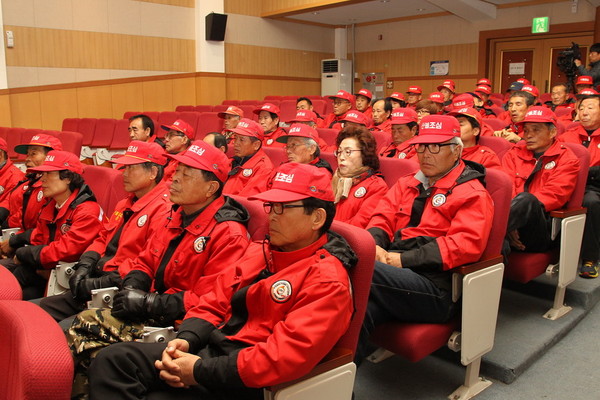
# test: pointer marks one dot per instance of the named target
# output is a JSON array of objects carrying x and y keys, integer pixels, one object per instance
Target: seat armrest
[
  {"x": 335, "y": 358},
  {"x": 565, "y": 213},
  {"x": 468, "y": 268}
]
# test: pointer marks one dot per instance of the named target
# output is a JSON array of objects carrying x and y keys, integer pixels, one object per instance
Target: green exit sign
[{"x": 540, "y": 25}]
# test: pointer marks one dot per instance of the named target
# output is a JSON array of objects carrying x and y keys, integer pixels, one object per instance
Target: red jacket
[
  {"x": 403, "y": 150},
  {"x": 9, "y": 178},
  {"x": 553, "y": 184},
  {"x": 362, "y": 200},
  {"x": 482, "y": 155},
  {"x": 453, "y": 229},
  {"x": 270, "y": 139},
  {"x": 251, "y": 177},
  {"x": 282, "y": 326},
  {"x": 148, "y": 216},
  {"x": 76, "y": 224},
  {"x": 213, "y": 242},
  {"x": 333, "y": 121},
  {"x": 170, "y": 170},
  {"x": 24, "y": 210},
  {"x": 385, "y": 126},
  {"x": 579, "y": 135}
]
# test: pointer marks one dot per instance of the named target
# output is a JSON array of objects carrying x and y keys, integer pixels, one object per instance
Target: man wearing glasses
[
  {"x": 178, "y": 138},
  {"x": 289, "y": 304},
  {"x": 301, "y": 146},
  {"x": 342, "y": 103},
  {"x": 426, "y": 225}
]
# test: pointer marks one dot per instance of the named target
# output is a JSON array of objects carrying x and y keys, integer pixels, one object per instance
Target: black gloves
[
  {"x": 83, "y": 288},
  {"x": 20, "y": 239},
  {"x": 137, "y": 305},
  {"x": 30, "y": 255},
  {"x": 83, "y": 270}
]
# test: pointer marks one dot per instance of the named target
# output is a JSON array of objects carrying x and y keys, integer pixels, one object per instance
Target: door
[{"x": 516, "y": 64}]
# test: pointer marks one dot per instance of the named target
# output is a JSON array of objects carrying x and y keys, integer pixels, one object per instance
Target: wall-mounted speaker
[{"x": 215, "y": 26}]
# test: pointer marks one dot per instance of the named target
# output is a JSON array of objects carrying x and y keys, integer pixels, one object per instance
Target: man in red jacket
[
  {"x": 9, "y": 174},
  {"x": 251, "y": 167},
  {"x": 426, "y": 225},
  {"x": 135, "y": 220},
  {"x": 268, "y": 118},
  {"x": 543, "y": 172},
  {"x": 288, "y": 304},
  {"x": 342, "y": 103},
  {"x": 587, "y": 133}
]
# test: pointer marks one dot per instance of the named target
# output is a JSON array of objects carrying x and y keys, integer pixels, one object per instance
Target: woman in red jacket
[
  {"x": 357, "y": 184},
  {"x": 67, "y": 223}
]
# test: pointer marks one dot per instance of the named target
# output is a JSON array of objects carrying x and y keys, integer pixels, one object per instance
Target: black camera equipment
[{"x": 566, "y": 63}]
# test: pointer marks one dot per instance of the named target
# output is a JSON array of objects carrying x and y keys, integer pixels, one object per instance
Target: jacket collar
[
  {"x": 283, "y": 259},
  {"x": 202, "y": 221}
]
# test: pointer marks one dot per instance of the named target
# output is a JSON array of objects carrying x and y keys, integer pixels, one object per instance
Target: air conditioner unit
[{"x": 336, "y": 75}]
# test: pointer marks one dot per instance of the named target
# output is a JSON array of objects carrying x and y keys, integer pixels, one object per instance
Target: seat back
[
  {"x": 14, "y": 137},
  {"x": 87, "y": 127},
  {"x": 10, "y": 289},
  {"x": 105, "y": 129},
  {"x": 258, "y": 226},
  {"x": 203, "y": 108},
  {"x": 499, "y": 186},
  {"x": 185, "y": 108},
  {"x": 121, "y": 136},
  {"x": 382, "y": 138},
  {"x": 562, "y": 111},
  {"x": 393, "y": 169},
  {"x": 107, "y": 185},
  {"x": 583, "y": 155},
  {"x": 230, "y": 102},
  {"x": 330, "y": 158},
  {"x": 328, "y": 135},
  {"x": 70, "y": 124},
  {"x": 71, "y": 141},
  {"x": 277, "y": 155},
  {"x": 191, "y": 117},
  {"x": 288, "y": 110},
  {"x": 500, "y": 145},
  {"x": 319, "y": 106},
  {"x": 495, "y": 123},
  {"x": 208, "y": 122},
  {"x": 35, "y": 348}
]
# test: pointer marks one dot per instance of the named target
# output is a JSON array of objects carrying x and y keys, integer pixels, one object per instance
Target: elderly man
[
  {"x": 363, "y": 102},
  {"x": 141, "y": 127},
  {"x": 10, "y": 175},
  {"x": 268, "y": 118},
  {"x": 413, "y": 96},
  {"x": 397, "y": 99},
  {"x": 518, "y": 104},
  {"x": 231, "y": 116},
  {"x": 310, "y": 118},
  {"x": 543, "y": 172},
  {"x": 178, "y": 138},
  {"x": 251, "y": 167},
  {"x": 448, "y": 89},
  {"x": 426, "y": 225},
  {"x": 216, "y": 139},
  {"x": 134, "y": 220},
  {"x": 301, "y": 146},
  {"x": 272, "y": 321},
  {"x": 382, "y": 109},
  {"x": 587, "y": 133},
  {"x": 559, "y": 98},
  {"x": 202, "y": 238},
  {"x": 404, "y": 127},
  {"x": 342, "y": 103}
]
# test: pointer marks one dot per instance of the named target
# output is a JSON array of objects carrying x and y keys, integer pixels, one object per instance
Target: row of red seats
[{"x": 71, "y": 140}]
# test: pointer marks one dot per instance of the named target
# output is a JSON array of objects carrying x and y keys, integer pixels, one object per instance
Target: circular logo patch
[
  {"x": 550, "y": 165},
  {"x": 199, "y": 244},
  {"x": 1, "y": 189},
  {"x": 438, "y": 200},
  {"x": 142, "y": 220},
  {"x": 269, "y": 141},
  {"x": 313, "y": 189},
  {"x": 281, "y": 291},
  {"x": 40, "y": 195},
  {"x": 25, "y": 187},
  {"x": 64, "y": 228},
  {"x": 360, "y": 192},
  {"x": 247, "y": 172},
  {"x": 402, "y": 155},
  {"x": 599, "y": 145}
]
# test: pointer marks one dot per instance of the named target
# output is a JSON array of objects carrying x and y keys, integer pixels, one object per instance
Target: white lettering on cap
[
  {"x": 196, "y": 149},
  {"x": 267, "y": 107},
  {"x": 49, "y": 158},
  {"x": 176, "y": 123},
  {"x": 353, "y": 115},
  {"x": 432, "y": 125},
  {"x": 295, "y": 129},
  {"x": 340, "y": 93},
  {"x": 132, "y": 149},
  {"x": 535, "y": 112},
  {"x": 244, "y": 124},
  {"x": 463, "y": 110},
  {"x": 281, "y": 177},
  {"x": 460, "y": 104},
  {"x": 35, "y": 138}
]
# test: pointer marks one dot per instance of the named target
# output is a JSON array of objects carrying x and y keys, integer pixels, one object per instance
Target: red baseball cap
[
  {"x": 436, "y": 97},
  {"x": 232, "y": 110},
  {"x": 448, "y": 84},
  {"x": 204, "y": 156},
  {"x": 42, "y": 140},
  {"x": 247, "y": 127},
  {"x": 403, "y": 116},
  {"x": 484, "y": 81},
  {"x": 584, "y": 80},
  {"x": 414, "y": 89},
  {"x": 467, "y": 112},
  {"x": 342, "y": 94},
  {"x": 485, "y": 89},
  {"x": 272, "y": 108},
  {"x": 305, "y": 116},
  {"x": 524, "y": 81},
  {"x": 365, "y": 92},
  {"x": 539, "y": 114},
  {"x": 299, "y": 130},
  {"x": 58, "y": 160},
  {"x": 396, "y": 96},
  {"x": 140, "y": 152},
  {"x": 3, "y": 145},
  {"x": 531, "y": 90},
  {"x": 587, "y": 92},
  {"x": 294, "y": 181},
  {"x": 357, "y": 117},
  {"x": 463, "y": 100},
  {"x": 436, "y": 129},
  {"x": 180, "y": 126}
]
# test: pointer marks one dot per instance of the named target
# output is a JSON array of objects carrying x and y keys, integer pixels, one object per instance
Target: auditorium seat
[
  {"x": 495, "y": 124},
  {"x": 277, "y": 155},
  {"x": 203, "y": 108},
  {"x": 269, "y": 99},
  {"x": 10, "y": 289},
  {"x": 478, "y": 287},
  {"x": 562, "y": 111},
  {"x": 248, "y": 110},
  {"x": 121, "y": 137},
  {"x": 208, "y": 122},
  {"x": 107, "y": 185},
  {"x": 184, "y": 108},
  {"x": 330, "y": 158},
  {"x": 103, "y": 134},
  {"x": 16, "y": 136},
  {"x": 319, "y": 106},
  {"x": 71, "y": 141},
  {"x": 70, "y": 124},
  {"x": 250, "y": 102},
  {"x": 129, "y": 114},
  {"x": 191, "y": 117},
  {"x": 222, "y": 107},
  {"x": 498, "y": 110},
  {"x": 167, "y": 117},
  {"x": 328, "y": 135},
  {"x": 333, "y": 377},
  {"x": 87, "y": 127},
  {"x": 393, "y": 169},
  {"x": 382, "y": 138},
  {"x": 498, "y": 144},
  {"x": 288, "y": 110},
  {"x": 230, "y": 102},
  {"x": 544, "y": 97},
  {"x": 568, "y": 224}
]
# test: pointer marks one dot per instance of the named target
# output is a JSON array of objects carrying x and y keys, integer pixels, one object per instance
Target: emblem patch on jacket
[
  {"x": 360, "y": 192},
  {"x": 550, "y": 165},
  {"x": 269, "y": 141},
  {"x": 64, "y": 228},
  {"x": 281, "y": 291},
  {"x": 438, "y": 200},
  {"x": 142, "y": 220},
  {"x": 39, "y": 196},
  {"x": 199, "y": 244},
  {"x": 247, "y": 172}
]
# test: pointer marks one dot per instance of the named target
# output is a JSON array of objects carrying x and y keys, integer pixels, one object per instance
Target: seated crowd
[{"x": 251, "y": 314}]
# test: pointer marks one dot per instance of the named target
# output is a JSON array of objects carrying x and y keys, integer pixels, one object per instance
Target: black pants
[
  {"x": 529, "y": 217},
  {"x": 32, "y": 284},
  {"x": 126, "y": 371},
  {"x": 590, "y": 246},
  {"x": 62, "y": 307}
]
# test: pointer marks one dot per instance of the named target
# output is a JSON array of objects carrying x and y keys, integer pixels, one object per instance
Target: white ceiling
[{"x": 379, "y": 10}]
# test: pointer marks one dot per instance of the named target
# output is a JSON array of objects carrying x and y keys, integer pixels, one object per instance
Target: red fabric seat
[
  {"x": 71, "y": 141},
  {"x": 230, "y": 102},
  {"x": 191, "y": 117},
  {"x": 277, "y": 155},
  {"x": 393, "y": 169},
  {"x": 203, "y": 108},
  {"x": 498, "y": 144},
  {"x": 184, "y": 108},
  {"x": 10, "y": 289},
  {"x": 288, "y": 110},
  {"x": 105, "y": 129},
  {"x": 107, "y": 185},
  {"x": 167, "y": 117},
  {"x": 70, "y": 124},
  {"x": 87, "y": 127},
  {"x": 208, "y": 122},
  {"x": 121, "y": 136},
  {"x": 14, "y": 137},
  {"x": 495, "y": 124},
  {"x": 258, "y": 225},
  {"x": 328, "y": 135}
]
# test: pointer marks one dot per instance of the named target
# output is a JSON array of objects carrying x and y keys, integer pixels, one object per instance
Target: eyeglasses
[
  {"x": 278, "y": 208},
  {"x": 172, "y": 135},
  {"x": 346, "y": 152},
  {"x": 293, "y": 146},
  {"x": 434, "y": 148},
  {"x": 422, "y": 111}
]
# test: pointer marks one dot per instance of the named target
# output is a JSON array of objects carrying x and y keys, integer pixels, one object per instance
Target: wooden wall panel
[
  {"x": 258, "y": 60},
  {"x": 184, "y": 91},
  {"x": 256, "y": 88},
  {"x": 127, "y": 97},
  {"x": 158, "y": 95},
  {"x": 56, "y": 105},
  {"x": 94, "y": 102},
  {"x": 210, "y": 90},
  {"x": 179, "y": 3},
  {"x": 25, "y": 110},
  {"x": 243, "y": 7},
  {"x": 40, "y": 47},
  {"x": 5, "y": 118}
]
